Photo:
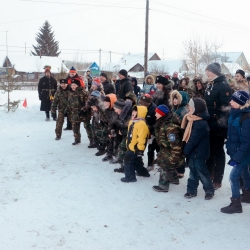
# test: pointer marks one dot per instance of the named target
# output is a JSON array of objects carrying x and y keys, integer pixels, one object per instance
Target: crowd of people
[{"x": 181, "y": 123}]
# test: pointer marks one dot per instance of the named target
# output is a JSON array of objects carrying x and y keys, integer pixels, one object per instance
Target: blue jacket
[
  {"x": 198, "y": 145},
  {"x": 238, "y": 137}
]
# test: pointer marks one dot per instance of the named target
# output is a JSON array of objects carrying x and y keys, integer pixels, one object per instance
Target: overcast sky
[{"x": 119, "y": 26}]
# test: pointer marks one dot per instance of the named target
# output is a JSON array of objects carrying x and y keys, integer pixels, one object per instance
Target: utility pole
[
  {"x": 146, "y": 40},
  {"x": 100, "y": 58},
  {"x": 7, "y": 43}
]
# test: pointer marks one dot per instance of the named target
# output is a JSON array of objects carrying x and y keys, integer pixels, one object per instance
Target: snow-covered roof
[
  {"x": 168, "y": 66},
  {"x": 30, "y": 64},
  {"x": 135, "y": 58},
  {"x": 231, "y": 67},
  {"x": 231, "y": 57},
  {"x": 114, "y": 67}
]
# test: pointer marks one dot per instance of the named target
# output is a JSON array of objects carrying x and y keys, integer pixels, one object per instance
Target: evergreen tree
[{"x": 46, "y": 44}]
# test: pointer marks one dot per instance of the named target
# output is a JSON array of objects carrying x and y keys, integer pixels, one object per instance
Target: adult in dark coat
[
  {"x": 125, "y": 85},
  {"x": 217, "y": 96},
  {"x": 108, "y": 87},
  {"x": 176, "y": 80},
  {"x": 137, "y": 89},
  {"x": 162, "y": 94},
  {"x": 199, "y": 88},
  {"x": 47, "y": 87}
]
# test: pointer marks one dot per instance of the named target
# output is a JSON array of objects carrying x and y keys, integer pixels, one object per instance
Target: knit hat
[
  {"x": 76, "y": 81},
  {"x": 215, "y": 68},
  {"x": 95, "y": 93},
  {"x": 241, "y": 72},
  {"x": 145, "y": 100},
  {"x": 123, "y": 72},
  {"x": 106, "y": 99},
  {"x": 241, "y": 97},
  {"x": 63, "y": 81},
  {"x": 162, "y": 80},
  {"x": 199, "y": 106},
  {"x": 47, "y": 70},
  {"x": 162, "y": 110},
  {"x": 119, "y": 104},
  {"x": 72, "y": 70},
  {"x": 104, "y": 75}
]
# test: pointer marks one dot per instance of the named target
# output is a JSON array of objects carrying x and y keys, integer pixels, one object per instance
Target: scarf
[{"x": 187, "y": 124}]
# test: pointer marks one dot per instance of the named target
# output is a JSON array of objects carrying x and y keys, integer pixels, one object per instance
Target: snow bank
[{"x": 57, "y": 196}]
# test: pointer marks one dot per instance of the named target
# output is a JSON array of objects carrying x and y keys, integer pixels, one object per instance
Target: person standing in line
[
  {"x": 125, "y": 85},
  {"x": 108, "y": 87},
  {"x": 217, "y": 96},
  {"x": 47, "y": 87},
  {"x": 238, "y": 148}
]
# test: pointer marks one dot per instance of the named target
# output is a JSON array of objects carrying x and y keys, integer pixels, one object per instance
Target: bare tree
[{"x": 158, "y": 69}]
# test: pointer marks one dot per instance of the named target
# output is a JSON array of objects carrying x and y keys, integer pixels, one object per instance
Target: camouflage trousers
[
  {"x": 122, "y": 149},
  {"x": 168, "y": 173},
  {"x": 59, "y": 123},
  {"x": 101, "y": 133},
  {"x": 76, "y": 129}
]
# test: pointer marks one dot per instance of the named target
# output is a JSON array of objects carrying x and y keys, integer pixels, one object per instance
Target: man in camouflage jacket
[
  {"x": 77, "y": 99},
  {"x": 60, "y": 102},
  {"x": 168, "y": 137}
]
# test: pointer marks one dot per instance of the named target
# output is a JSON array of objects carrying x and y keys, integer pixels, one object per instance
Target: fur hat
[
  {"x": 76, "y": 81},
  {"x": 93, "y": 101},
  {"x": 241, "y": 97},
  {"x": 130, "y": 95},
  {"x": 63, "y": 81},
  {"x": 104, "y": 75},
  {"x": 72, "y": 70},
  {"x": 162, "y": 80}
]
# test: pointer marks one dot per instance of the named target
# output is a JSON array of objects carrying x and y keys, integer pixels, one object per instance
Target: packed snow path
[{"x": 57, "y": 196}]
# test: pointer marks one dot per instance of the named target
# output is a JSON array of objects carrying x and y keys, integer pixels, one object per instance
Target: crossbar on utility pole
[{"x": 146, "y": 40}]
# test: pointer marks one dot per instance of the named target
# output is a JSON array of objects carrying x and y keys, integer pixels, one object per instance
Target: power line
[{"x": 85, "y": 4}]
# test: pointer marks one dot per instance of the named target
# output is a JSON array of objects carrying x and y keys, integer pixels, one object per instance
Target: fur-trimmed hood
[
  {"x": 152, "y": 79},
  {"x": 181, "y": 96}
]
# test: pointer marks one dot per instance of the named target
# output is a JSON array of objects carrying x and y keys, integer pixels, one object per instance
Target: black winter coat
[
  {"x": 125, "y": 86},
  {"x": 217, "y": 96},
  {"x": 163, "y": 98},
  {"x": 46, "y": 88},
  {"x": 198, "y": 145},
  {"x": 108, "y": 87},
  {"x": 150, "y": 118},
  {"x": 176, "y": 83}
]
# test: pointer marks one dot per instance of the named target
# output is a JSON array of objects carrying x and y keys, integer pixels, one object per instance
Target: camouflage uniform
[
  {"x": 168, "y": 137},
  {"x": 60, "y": 102},
  {"x": 76, "y": 101}
]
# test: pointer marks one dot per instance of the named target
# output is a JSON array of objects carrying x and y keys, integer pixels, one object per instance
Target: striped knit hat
[
  {"x": 119, "y": 104},
  {"x": 162, "y": 110},
  {"x": 241, "y": 97}
]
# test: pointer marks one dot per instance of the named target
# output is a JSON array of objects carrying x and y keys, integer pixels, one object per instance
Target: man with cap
[
  {"x": 162, "y": 94},
  {"x": 108, "y": 87},
  {"x": 77, "y": 111},
  {"x": 217, "y": 96},
  {"x": 238, "y": 148},
  {"x": 147, "y": 101},
  {"x": 168, "y": 135},
  {"x": 240, "y": 79},
  {"x": 60, "y": 102},
  {"x": 125, "y": 85},
  {"x": 47, "y": 87}
]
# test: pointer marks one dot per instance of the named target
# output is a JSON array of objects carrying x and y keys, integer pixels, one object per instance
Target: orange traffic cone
[{"x": 25, "y": 103}]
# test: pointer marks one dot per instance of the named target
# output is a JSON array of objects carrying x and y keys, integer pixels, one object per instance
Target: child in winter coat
[
  {"x": 168, "y": 137},
  {"x": 136, "y": 143},
  {"x": 238, "y": 148},
  {"x": 196, "y": 149}
]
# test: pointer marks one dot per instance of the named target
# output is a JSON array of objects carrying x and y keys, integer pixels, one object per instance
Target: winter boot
[
  {"x": 58, "y": 138},
  {"x": 107, "y": 158},
  {"x": 245, "y": 197},
  {"x": 101, "y": 150},
  {"x": 92, "y": 144},
  {"x": 128, "y": 179},
  {"x": 160, "y": 189},
  {"x": 189, "y": 195},
  {"x": 76, "y": 142},
  {"x": 114, "y": 160},
  {"x": 234, "y": 207},
  {"x": 119, "y": 170},
  {"x": 209, "y": 196}
]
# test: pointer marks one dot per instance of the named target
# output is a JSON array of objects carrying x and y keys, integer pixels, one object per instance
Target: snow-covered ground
[{"x": 57, "y": 196}]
